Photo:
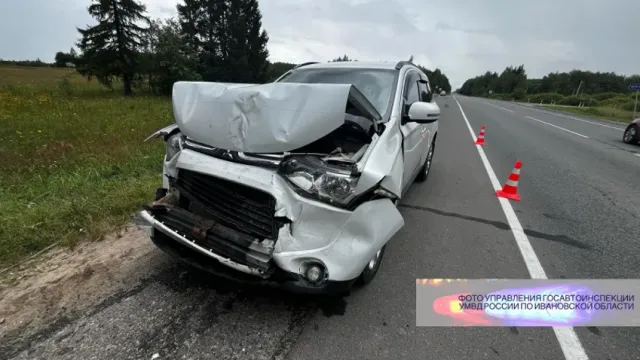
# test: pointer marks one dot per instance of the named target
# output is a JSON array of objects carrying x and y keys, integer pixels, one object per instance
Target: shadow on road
[{"x": 179, "y": 311}]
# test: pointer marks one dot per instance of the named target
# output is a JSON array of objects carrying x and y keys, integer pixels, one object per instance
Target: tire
[
  {"x": 426, "y": 168},
  {"x": 369, "y": 272},
  {"x": 631, "y": 135}
]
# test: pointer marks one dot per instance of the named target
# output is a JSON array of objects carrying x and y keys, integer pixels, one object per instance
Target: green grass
[
  {"x": 603, "y": 112},
  {"x": 73, "y": 164}
]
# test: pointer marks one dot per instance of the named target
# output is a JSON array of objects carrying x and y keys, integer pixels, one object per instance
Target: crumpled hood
[{"x": 267, "y": 118}]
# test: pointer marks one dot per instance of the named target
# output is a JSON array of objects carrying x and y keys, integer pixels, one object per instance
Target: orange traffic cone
[
  {"x": 480, "y": 140},
  {"x": 510, "y": 188}
]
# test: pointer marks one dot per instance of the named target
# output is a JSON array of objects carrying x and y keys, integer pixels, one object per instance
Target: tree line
[
  {"x": 439, "y": 81},
  {"x": 513, "y": 80},
  {"x": 208, "y": 40},
  {"x": 562, "y": 88}
]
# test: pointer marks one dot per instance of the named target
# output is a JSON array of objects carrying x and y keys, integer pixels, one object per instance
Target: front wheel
[
  {"x": 372, "y": 267},
  {"x": 424, "y": 172},
  {"x": 631, "y": 134}
]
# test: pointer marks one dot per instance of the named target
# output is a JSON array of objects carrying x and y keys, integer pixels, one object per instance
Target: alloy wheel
[
  {"x": 427, "y": 167},
  {"x": 630, "y": 134},
  {"x": 373, "y": 262}
]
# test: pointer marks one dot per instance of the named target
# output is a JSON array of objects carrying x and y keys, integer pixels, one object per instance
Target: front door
[
  {"x": 426, "y": 95},
  {"x": 413, "y": 133}
]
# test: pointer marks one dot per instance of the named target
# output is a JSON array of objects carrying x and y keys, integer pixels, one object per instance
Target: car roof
[{"x": 389, "y": 65}]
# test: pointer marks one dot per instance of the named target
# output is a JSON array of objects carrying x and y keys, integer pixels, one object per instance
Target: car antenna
[{"x": 411, "y": 59}]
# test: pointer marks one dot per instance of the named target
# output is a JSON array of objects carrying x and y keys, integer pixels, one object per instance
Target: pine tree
[
  {"x": 228, "y": 37},
  {"x": 190, "y": 17},
  {"x": 111, "y": 48},
  {"x": 246, "y": 43},
  {"x": 214, "y": 53},
  {"x": 342, "y": 58},
  {"x": 72, "y": 53},
  {"x": 202, "y": 28}
]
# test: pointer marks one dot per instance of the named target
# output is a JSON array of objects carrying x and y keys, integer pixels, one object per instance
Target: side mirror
[{"x": 423, "y": 113}]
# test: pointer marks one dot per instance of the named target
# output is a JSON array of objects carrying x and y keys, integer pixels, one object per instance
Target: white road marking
[
  {"x": 558, "y": 127},
  {"x": 637, "y": 155},
  {"x": 501, "y": 108},
  {"x": 577, "y": 119},
  {"x": 567, "y": 337}
]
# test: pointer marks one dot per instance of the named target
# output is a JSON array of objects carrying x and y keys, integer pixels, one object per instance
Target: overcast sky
[{"x": 464, "y": 38}]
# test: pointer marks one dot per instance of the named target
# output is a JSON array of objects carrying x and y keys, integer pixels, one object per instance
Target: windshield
[{"x": 376, "y": 84}]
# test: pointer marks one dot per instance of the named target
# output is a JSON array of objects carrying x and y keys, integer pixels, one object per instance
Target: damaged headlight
[
  {"x": 174, "y": 145},
  {"x": 311, "y": 175}
]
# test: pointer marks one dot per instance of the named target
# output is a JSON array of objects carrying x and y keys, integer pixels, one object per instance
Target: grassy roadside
[
  {"x": 603, "y": 112},
  {"x": 73, "y": 164}
]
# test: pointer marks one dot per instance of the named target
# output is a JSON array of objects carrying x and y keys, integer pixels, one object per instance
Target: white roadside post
[
  {"x": 635, "y": 104},
  {"x": 636, "y": 87}
]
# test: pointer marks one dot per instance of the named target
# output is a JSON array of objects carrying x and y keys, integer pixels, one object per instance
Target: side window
[
  {"x": 411, "y": 91},
  {"x": 425, "y": 92}
]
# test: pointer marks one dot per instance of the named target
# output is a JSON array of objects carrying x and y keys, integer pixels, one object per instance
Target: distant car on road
[{"x": 632, "y": 132}]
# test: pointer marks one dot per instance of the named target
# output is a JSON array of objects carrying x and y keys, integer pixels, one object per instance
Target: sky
[{"x": 464, "y": 38}]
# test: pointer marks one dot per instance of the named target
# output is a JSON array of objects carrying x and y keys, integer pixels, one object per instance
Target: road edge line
[
  {"x": 501, "y": 108},
  {"x": 566, "y": 336},
  {"x": 558, "y": 127},
  {"x": 565, "y": 115}
]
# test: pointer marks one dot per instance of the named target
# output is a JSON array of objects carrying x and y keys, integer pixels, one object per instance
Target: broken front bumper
[{"x": 341, "y": 241}]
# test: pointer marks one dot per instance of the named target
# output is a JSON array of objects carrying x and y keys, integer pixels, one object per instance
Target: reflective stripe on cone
[{"x": 480, "y": 139}]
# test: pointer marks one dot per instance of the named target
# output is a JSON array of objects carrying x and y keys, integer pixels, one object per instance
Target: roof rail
[
  {"x": 402, "y": 63},
  {"x": 305, "y": 64}
]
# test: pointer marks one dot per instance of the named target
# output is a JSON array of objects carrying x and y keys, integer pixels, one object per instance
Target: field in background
[
  {"x": 73, "y": 164},
  {"x": 603, "y": 112},
  {"x": 610, "y": 106}
]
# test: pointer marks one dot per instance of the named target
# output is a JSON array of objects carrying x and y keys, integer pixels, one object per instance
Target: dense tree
[
  {"x": 190, "y": 17},
  {"x": 63, "y": 59},
  {"x": 34, "y": 63},
  {"x": 513, "y": 81},
  {"x": 277, "y": 69},
  {"x": 111, "y": 48},
  {"x": 439, "y": 81},
  {"x": 228, "y": 37},
  {"x": 147, "y": 55},
  {"x": 588, "y": 82},
  {"x": 167, "y": 58},
  {"x": 246, "y": 43},
  {"x": 342, "y": 58}
]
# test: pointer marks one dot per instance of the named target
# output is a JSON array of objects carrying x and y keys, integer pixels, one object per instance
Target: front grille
[
  {"x": 243, "y": 208},
  {"x": 215, "y": 237}
]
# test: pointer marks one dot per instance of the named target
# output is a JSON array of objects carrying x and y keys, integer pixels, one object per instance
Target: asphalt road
[{"x": 580, "y": 211}]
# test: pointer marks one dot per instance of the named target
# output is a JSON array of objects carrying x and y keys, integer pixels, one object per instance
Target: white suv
[{"x": 294, "y": 183}]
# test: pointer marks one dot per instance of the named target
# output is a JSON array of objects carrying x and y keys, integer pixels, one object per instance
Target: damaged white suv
[{"x": 296, "y": 182}]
